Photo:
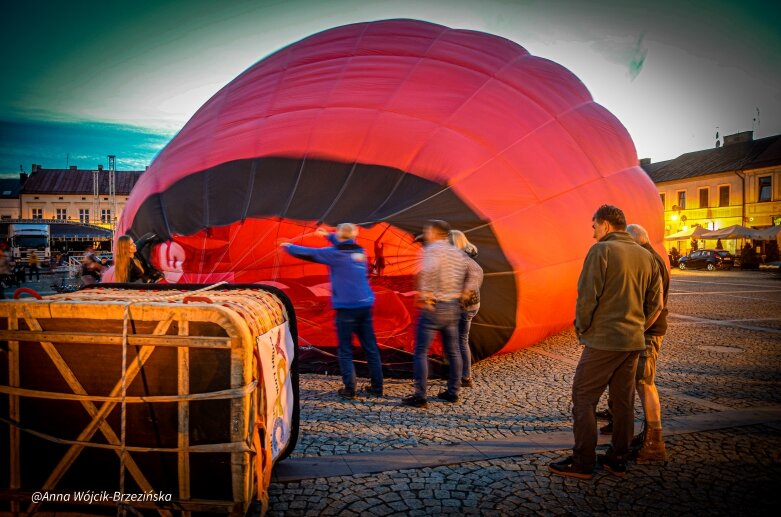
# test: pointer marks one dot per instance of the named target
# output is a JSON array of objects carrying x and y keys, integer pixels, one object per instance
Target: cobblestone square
[{"x": 719, "y": 376}]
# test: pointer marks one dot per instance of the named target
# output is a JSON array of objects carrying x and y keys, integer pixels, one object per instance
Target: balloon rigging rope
[{"x": 122, "y": 509}]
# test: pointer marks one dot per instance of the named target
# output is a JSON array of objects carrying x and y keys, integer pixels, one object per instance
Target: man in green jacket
[{"x": 619, "y": 296}]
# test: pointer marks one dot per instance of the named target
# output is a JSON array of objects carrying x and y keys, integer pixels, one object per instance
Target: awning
[
  {"x": 767, "y": 234},
  {"x": 65, "y": 231},
  {"x": 735, "y": 231},
  {"x": 692, "y": 233}
]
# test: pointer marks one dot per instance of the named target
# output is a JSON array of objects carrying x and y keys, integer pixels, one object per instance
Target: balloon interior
[{"x": 389, "y": 124}]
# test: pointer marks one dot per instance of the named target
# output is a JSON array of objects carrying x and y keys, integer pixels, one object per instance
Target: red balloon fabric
[{"x": 388, "y": 124}]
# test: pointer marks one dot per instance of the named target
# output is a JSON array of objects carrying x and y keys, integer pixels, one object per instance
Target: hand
[
  {"x": 322, "y": 232},
  {"x": 285, "y": 245}
]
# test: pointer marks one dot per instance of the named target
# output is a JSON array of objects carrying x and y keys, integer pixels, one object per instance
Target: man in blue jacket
[{"x": 352, "y": 298}]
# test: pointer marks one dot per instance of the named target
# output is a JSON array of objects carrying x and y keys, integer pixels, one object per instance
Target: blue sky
[{"x": 87, "y": 79}]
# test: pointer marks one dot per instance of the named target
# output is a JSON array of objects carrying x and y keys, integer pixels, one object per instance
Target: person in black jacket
[
  {"x": 130, "y": 267},
  {"x": 649, "y": 444}
]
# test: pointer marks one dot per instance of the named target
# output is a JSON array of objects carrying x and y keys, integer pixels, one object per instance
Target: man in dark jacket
[
  {"x": 619, "y": 296},
  {"x": 649, "y": 443},
  {"x": 352, "y": 298}
]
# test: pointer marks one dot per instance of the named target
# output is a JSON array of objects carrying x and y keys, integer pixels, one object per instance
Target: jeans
[
  {"x": 596, "y": 370},
  {"x": 443, "y": 318},
  {"x": 358, "y": 322},
  {"x": 34, "y": 269},
  {"x": 464, "y": 324}
]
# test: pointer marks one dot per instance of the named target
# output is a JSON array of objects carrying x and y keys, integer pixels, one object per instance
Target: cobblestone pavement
[
  {"x": 741, "y": 478},
  {"x": 722, "y": 351}
]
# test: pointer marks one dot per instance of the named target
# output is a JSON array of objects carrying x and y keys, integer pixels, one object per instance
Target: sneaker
[
  {"x": 567, "y": 468},
  {"x": 466, "y": 382},
  {"x": 346, "y": 393},
  {"x": 605, "y": 414},
  {"x": 447, "y": 397},
  {"x": 414, "y": 401},
  {"x": 612, "y": 464},
  {"x": 372, "y": 391},
  {"x": 607, "y": 429}
]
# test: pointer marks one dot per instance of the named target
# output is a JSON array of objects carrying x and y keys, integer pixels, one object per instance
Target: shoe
[
  {"x": 447, "y": 397},
  {"x": 346, "y": 393},
  {"x": 637, "y": 441},
  {"x": 372, "y": 391},
  {"x": 414, "y": 401},
  {"x": 607, "y": 429},
  {"x": 653, "y": 448},
  {"x": 612, "y": 464},
  {"x": 567, "y": 468},
  {"x": 466, "y": 382},
  {"x": 605, "y": 414}
]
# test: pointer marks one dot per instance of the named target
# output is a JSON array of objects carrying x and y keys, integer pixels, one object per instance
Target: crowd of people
[{"x": 620, "y": 321}]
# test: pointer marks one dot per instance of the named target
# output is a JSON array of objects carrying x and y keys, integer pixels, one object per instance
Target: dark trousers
[
  {"x": 34, "y": 269},
  {"x": 596, "y": 370},
  {"x": 444, "y": 319},
  {"x": 358, "y": 322}
]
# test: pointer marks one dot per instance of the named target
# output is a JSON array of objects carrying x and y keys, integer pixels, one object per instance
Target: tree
[
  {"x": 694, "y": 245},
  {"x": 748, "y": 257}
]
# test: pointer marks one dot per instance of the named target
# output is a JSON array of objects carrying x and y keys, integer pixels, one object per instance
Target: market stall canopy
[
  {"x": 71, "y": 231},
  {"x": 735, "y": 231},
  {"x": 692, "y": 233},
  {"x": 767, "y": 234}
]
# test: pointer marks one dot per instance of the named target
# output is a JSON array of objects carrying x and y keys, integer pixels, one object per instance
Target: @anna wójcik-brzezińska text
[{"x": 102, "y": 496}]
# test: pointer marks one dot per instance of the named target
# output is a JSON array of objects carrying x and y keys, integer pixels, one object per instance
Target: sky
[{"x": 82, "y": 80}]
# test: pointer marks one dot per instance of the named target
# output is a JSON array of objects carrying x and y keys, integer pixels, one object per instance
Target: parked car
[{"x": 707, "y": 259}]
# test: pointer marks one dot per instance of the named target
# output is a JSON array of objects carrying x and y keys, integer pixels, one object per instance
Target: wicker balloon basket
[{"x": 171, "y": 400}]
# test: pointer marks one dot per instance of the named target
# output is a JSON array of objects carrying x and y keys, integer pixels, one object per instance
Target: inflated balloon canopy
[{"x": 388, "y": 124}]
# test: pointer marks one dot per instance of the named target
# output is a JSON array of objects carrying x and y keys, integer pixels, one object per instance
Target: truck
[{"x": 26, "y": 238}]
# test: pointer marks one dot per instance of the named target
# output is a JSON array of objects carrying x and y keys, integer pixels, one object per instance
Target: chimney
[
  {"x": 23, "y": 177},
  {"x": 73, "y": 168},
  {"x": 35, "y": 168},
  {"x": 645, "y": 161},
  {"x": 737, "y": 138},
  {"x": 100, "y": 167}
]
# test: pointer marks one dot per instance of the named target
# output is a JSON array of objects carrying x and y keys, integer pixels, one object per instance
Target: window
[
  {"x": 105, "y": 215},
  {"x": 681, "y": 200},
  {"x": 765, "y": 189},
  {"x": 84, "y": 215},
  {"x": 661, "y": 196},
  {"x": 62, "y": 213},
  {"x": 724, "y": 195},
  {"x": 37, "y": 213},
  {"x": 703, "y": 198}
]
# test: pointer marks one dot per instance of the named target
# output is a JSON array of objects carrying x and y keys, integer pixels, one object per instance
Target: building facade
[
  {"x": 69, "y": 195},
  {"x": 737, "y": 183},
  {"x": 10, "y": 207}
]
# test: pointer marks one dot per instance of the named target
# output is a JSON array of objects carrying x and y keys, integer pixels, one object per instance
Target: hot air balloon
[{"x": 389, "y": 124}]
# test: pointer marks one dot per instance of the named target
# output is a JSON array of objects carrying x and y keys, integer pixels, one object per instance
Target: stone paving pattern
[{"x": 732, "y": 471}]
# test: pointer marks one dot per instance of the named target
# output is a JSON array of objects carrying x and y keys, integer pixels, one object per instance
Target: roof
[
  {"x": 67, "y": 181},
  {"x": 9, "y": 187},
  {"x": 754, "y": 154},
  {"x": 64, "y": 231}
]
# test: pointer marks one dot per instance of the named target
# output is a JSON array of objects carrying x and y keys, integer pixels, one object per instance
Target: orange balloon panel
[{"x": 389, "y": 124}]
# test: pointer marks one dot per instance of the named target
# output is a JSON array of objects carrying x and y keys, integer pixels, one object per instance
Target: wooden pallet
[{"x": 139, "y": 391}]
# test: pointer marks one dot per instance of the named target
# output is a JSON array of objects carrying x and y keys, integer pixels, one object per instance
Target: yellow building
[
  {"x": 737, "y": 183},
  {"x": 69, "y": 195}
]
